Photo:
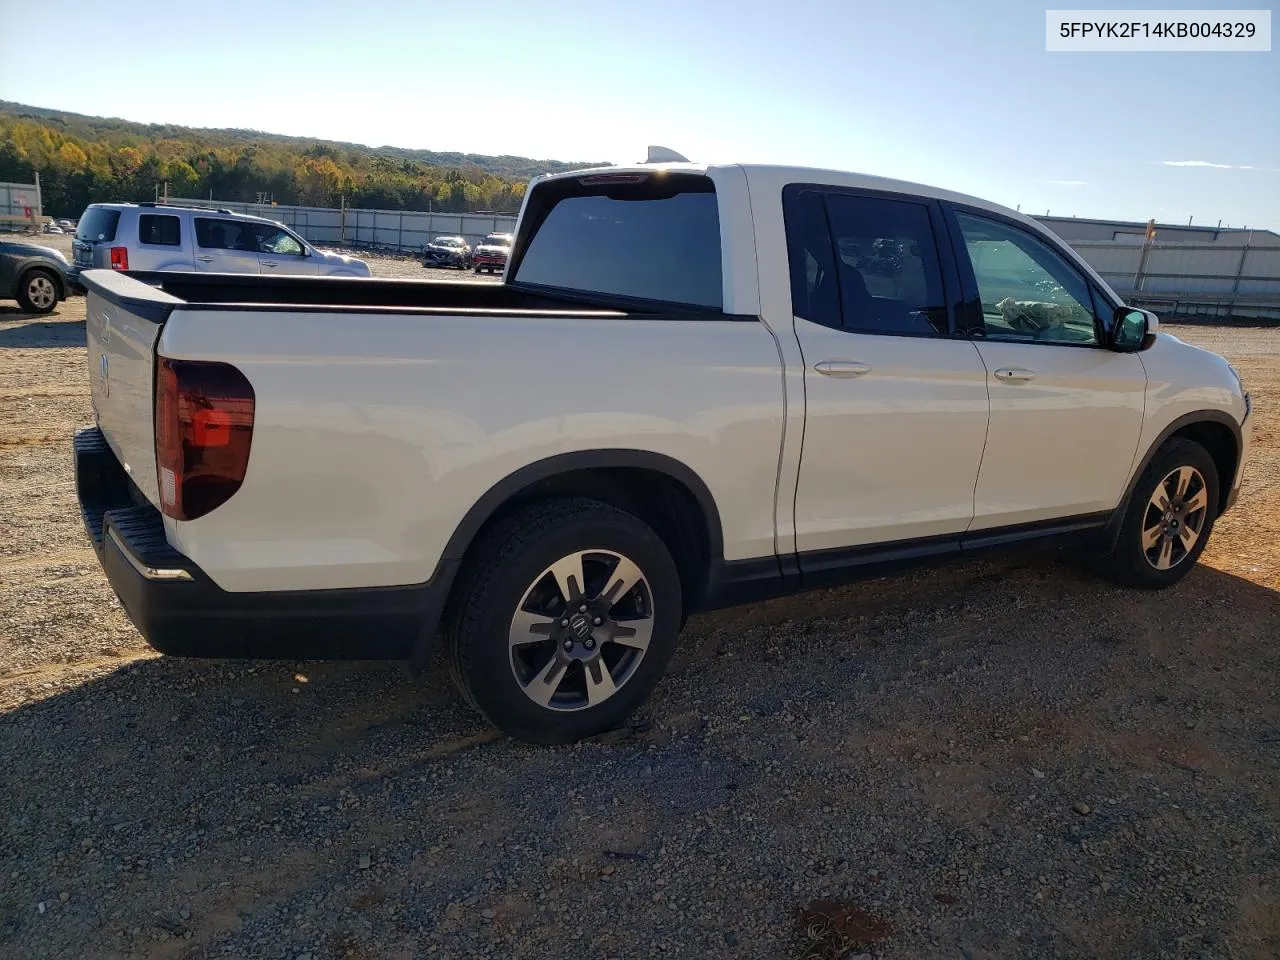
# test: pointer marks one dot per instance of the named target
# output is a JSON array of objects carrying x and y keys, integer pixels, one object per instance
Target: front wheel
[
  {"x": 566, "y": 617},
  {"x": 38, "y": 291},
  {"x": 1169, "y": 518}
]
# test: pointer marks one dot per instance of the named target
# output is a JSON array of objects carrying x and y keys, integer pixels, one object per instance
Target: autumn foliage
[{"x": 82, "y": 160}]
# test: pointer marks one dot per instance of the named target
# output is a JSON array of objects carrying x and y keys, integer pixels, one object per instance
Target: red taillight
[
  {"x": 204, "y": 426},
  {"x": 119, "y": 258}
]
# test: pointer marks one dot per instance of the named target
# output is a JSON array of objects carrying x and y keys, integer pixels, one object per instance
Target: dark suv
[{"x": 447, "y": 252}]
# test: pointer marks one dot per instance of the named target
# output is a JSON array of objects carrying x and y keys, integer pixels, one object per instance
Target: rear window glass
[
  {"x": 153, "y": 228},
  {"x": 98, "y": 223},
  {"x": 658, "y": 239}
]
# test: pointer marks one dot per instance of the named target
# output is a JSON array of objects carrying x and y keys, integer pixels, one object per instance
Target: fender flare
[
  {"x": 513, "y": 484},
  {"x": 1112, "y": 533}
]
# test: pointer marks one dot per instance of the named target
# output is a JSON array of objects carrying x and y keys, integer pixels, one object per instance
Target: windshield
[
  {"x": 448, "y": 242},
  {"x": 497, "y": 240},
  {"x": 98, "y": 223}
]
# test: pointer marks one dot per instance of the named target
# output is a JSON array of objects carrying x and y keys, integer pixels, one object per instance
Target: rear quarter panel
[{"x": 375, "y": 433}]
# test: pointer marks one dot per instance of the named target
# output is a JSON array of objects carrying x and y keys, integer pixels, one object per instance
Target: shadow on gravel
[
  {"x": 998, "y": 759},
  {"x": 39, "y": 330}
]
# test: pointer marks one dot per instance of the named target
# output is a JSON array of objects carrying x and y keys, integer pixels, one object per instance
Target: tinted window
[
  {"x": 98, "y": 223},
  {"x": 279, "y": 242},
  {"x": 815, "y": 295},
  {"x": 226, "y": 235},
  {"x": 153, "y": 228},
  {"x": 656, "y": 240},
  {"x": 1028, "y": 290},
  {"x": 879, "y": 272}
]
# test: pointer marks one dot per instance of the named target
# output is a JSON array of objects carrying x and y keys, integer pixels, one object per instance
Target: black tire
[
  {"x": 477, "y": 269},
  {"x": 1128, "y": 562},
  {"x": 503, "y": 565},
  {"x": 38, "y": 291}
]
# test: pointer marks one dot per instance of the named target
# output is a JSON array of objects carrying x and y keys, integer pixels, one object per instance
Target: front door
[
  {"x": 280, "y": 252},
  {"x": 226, "y": 246},
  {"x": 895, "y": 404},
  {"x": 1066, "y": 411}
]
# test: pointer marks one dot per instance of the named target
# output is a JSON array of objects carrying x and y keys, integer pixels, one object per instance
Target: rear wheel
[
  {"x": 1169, "y": 518},
  {"x": 38, "y": 291},
  {"x": 566, "y": 618}
]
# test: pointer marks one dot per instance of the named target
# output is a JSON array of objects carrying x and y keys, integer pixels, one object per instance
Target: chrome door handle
[
  {"x": 844, "y": 369},
  {"x": 270, "y": 263},
  {"x": 1015, "y": 374},
  {"x": 205, "y": 259}
]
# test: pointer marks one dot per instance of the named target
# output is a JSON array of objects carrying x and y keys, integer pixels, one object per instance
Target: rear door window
[
  {"x": 159, "y": 229},
  {"x": 226, "y": 235},
  {"x": 649, "y": 238},
  {"x": 98, "y": 223}
]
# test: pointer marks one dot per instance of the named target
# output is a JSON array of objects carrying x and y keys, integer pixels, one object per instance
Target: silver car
[{"x": 156, "y": 237}]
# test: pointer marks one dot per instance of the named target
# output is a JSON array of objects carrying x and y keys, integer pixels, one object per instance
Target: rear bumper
[
  {"x": 73, "y": 280},
  {"x": 181, "y": 612}
]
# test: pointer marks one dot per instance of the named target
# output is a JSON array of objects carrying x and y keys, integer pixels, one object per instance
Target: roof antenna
[{"x": 664, "y": 155}]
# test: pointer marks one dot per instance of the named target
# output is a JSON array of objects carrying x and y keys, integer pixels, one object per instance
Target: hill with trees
[{"x": 82, "y": 160}]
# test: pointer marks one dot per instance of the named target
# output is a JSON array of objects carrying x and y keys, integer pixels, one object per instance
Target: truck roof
[{"x": 776, "y": 175}]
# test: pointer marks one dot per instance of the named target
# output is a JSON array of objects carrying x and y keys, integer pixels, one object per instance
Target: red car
[{"x": 490, "y": 253}]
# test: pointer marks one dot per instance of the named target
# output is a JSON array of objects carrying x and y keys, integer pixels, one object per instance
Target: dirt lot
[{"x": 1005, "y": 758}]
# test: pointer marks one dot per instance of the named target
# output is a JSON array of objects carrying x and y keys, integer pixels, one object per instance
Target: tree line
[{"x": 83, "y": 160}]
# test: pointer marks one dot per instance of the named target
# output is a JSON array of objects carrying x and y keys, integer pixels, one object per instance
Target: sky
[{"x": 960, "y": 95}]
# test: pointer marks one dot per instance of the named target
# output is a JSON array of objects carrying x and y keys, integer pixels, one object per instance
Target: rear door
[
  {"x": 226, "y": 246},
  {"x": 280, "y": 252},
  {"x": 895, "y": 404}
]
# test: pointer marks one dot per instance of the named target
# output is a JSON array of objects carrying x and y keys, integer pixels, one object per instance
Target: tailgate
[{"x": 124, "y": 319}]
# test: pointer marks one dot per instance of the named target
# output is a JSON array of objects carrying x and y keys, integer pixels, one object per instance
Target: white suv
[{"x": 154, "y": 237}]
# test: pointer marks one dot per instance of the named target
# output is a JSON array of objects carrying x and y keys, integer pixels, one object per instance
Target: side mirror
[{"x": 1133, "y": 329}]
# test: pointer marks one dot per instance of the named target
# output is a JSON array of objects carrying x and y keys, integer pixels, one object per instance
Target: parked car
[
  {"x": 51, "y": 227},
  {"x": 447, "y": 252},
  {"x": 68, "y": 226},
  {"x": 153, "y": 237},
  {"x": 33, "y": 275},
  {"x": 491, "y": 253},
  {"x": 682, "y": 396}
]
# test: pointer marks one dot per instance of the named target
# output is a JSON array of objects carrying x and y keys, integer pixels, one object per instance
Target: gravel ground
[{"x": 1001, "y": 758}]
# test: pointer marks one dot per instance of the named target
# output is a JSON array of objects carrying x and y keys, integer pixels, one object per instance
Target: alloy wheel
[
  {"x": 1175, "y": 517},
  {"x": 581, "y": 630},
  {"x": 41, "y": 292}
]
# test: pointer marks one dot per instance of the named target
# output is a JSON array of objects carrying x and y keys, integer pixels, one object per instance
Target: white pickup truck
[{"x": 696, "y": 386}]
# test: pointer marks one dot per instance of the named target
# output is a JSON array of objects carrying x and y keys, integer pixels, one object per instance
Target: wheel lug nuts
[
  {"x": 568, "y": 644},
  {"x": 564, "y": 623},
  {"x": 597, "y": 621},
  {"x": 583, "y": 608},
  {"x": 589, "y": 643}
]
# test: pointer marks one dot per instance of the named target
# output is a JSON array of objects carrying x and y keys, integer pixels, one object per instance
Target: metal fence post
[
  {"x": 1235, "y": 284},
  {"x": 400, "y": 234}
]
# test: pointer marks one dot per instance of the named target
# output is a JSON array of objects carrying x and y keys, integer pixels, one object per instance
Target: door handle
[
  {"x": 270, "y": 263},
  {"x": 205, "y": 259},
  {"x": 844, "y": 369},
  {"x": 1015, "y": 374}
]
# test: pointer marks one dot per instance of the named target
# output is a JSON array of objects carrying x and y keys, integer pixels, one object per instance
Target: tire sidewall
[
  {"x": 486, "y": 664},
  {"x": 1180, "y": 453}
]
